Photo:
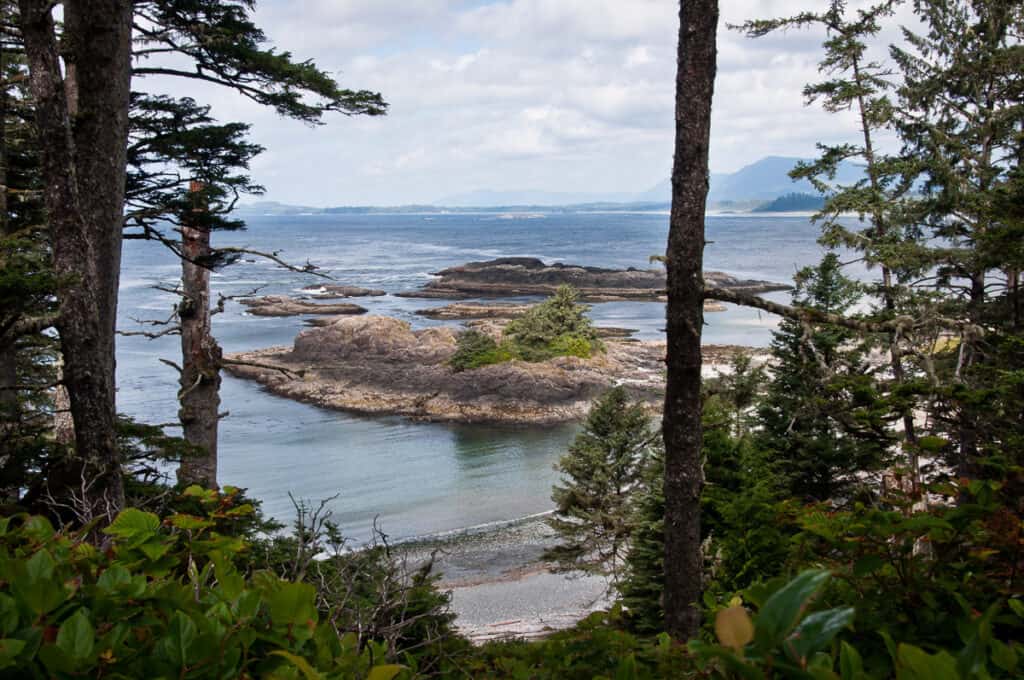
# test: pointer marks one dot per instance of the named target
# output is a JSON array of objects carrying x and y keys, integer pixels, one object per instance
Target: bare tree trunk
[
  {"x": 682, "y": 429},
  {"x": 83, "y": 167},
  {"x": 201, "y": 359}
]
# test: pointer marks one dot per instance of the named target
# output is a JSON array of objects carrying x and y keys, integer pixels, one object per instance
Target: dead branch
[
  {"x": 308, "y": 268},
  {"x": 270, "y": 367}
]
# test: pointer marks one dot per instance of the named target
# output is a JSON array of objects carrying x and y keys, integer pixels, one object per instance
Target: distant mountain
[
  {"x": 486, "y": 198},
  {"x": 273, "y": 208},
  {"x": 764, "y": 180}
]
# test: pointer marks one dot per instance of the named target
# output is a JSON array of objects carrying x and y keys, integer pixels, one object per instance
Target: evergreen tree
[
  {"x": 26, "y": 282},
  {"x": 858, "y": 84},
  {"x": 643, "y": 584},
  {"x": 960, "y": 120},
  {"x": 81, "y": 76},
  {"x": 821, "y": 414},
  {"x": 186, "y": 171},
  {"x": 595, "y": 505}
]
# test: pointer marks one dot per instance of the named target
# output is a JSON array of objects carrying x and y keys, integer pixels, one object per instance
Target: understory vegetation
[{"x": 556, "y": 327}]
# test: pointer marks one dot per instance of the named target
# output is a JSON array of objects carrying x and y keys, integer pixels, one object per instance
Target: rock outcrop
[
  {"x": 280, "y": 305},
  {"x": 380, "y": 365},
  {"x": 330, "y": 291},
  {"x": 468, "y": 311},
  {"x": 461, "y": 311},
  {"x": 521, "y": 276}
]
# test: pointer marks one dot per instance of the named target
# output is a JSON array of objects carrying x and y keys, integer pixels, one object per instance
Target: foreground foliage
[{"x": 163, "y": 599}]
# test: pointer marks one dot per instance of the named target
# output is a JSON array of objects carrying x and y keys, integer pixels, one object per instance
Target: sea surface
[{"x": 413, "y": 479}]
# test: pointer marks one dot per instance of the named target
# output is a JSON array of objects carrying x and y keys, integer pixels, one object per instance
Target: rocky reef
[
  {"x": 466, "y": 311},
  {"x": 380, "y": 365},
  {"x": 520, "y": 276},
  {"x": 281, "y": 305},
  {"x": 331, "y": 291}
]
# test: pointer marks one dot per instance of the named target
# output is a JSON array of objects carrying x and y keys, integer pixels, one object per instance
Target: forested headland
[{"x": 851, "y": 508}]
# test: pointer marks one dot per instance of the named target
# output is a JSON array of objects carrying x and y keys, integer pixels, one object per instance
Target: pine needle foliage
[{"x": 603, "y": 471}]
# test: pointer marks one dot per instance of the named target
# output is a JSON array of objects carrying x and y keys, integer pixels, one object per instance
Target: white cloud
[{"x": 564, "y": 95}]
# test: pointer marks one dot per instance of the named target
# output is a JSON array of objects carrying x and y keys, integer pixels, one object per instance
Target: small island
[
  {"x": 545, "y": 366},
  {"x": 525, "y": 276},
  {"x": 280, "y": 305}
]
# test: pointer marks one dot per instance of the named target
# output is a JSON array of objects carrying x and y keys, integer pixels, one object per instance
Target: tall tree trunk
[
  {"x": 83, "y": 164},
  {"x": 8, "y": 354},
  {"x": 698, "y": 21},
  {"x": 8, "y": 370},
  {"x": 201, "y": 358}
]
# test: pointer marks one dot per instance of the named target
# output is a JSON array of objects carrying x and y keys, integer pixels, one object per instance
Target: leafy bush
[
  {"x": 914, "y": 575},
  {"x": 788, "y": 638},
  {"x": 476, "y": 349},
  {"x": 163, "y": 600},
  {"x": 557, "y": 327},
  {"x": 559, "y": 315}
]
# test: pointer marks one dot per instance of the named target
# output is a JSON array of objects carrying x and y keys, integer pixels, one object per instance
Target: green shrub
[
  {"x": 559, "y": 315},
  {"x": 791, "y": 638},
  {"x": 557, "y": 327},
  {"x": 476, "y": 349},
  {"x": 163, "y": 600},
  {"x": 571, "y": 345}
]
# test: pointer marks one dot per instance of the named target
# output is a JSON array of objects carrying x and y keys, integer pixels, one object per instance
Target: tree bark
[
  {"x": 8, "y": 370},
  {"x": 201, "y": 360},
  {"x": 682, "y": 429},
  {"x": 83, "y": 166}
]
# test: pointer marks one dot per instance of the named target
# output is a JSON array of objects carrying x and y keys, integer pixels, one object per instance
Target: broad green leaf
[
  {"x": 816, "y": 631},
  {"x": 292, "y": 604},
  {"x": 181, "y": 633},
  {"x": 113, "y": 578},
  {"x": 9, "y": 650},
  {"x": 304, "y": 667},
  {"x": 8, "y": 615},
  {"x": 190, "y": 522},
  {"x": 76, "y": 637},
  {"x": 37, "y": 586},
  {"x": 133, "y": 523},
  {"x": 782, "y": 611},
  {"x": 1004, "y": 656},
  {"x": 851, "y": 666},
  {"x": 154, "y": 550},
  {"x": 385, "y": 672},
  {"x": 40, "y": 566},
  {"x": 916, "y": 664},
  {"x": 38, "y": 528}
]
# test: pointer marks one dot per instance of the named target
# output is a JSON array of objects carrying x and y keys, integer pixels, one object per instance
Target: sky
[{"x": 551, "y": 95}]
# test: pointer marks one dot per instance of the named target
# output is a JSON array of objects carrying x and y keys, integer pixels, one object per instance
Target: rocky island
[
  {"x": 281, "y": 305},
  {"x": 523, "y": 276},
  {"x": 380, "y": 365}
]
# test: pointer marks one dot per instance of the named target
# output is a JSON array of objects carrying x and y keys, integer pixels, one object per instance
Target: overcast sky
[{"x": 553, "y": 95}]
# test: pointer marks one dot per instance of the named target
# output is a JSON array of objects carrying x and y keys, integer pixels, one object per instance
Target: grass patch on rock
[{"x": 557, "y": 327}]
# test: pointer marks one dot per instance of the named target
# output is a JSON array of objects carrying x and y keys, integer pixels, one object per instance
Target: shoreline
[{"x": 500, "y": 584}]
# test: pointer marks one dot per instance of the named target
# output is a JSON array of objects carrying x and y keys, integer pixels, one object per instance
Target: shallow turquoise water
[{"x": 414, "y": 478}]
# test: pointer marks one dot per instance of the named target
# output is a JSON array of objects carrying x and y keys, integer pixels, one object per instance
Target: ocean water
[{"x": 413, "y": 479}]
